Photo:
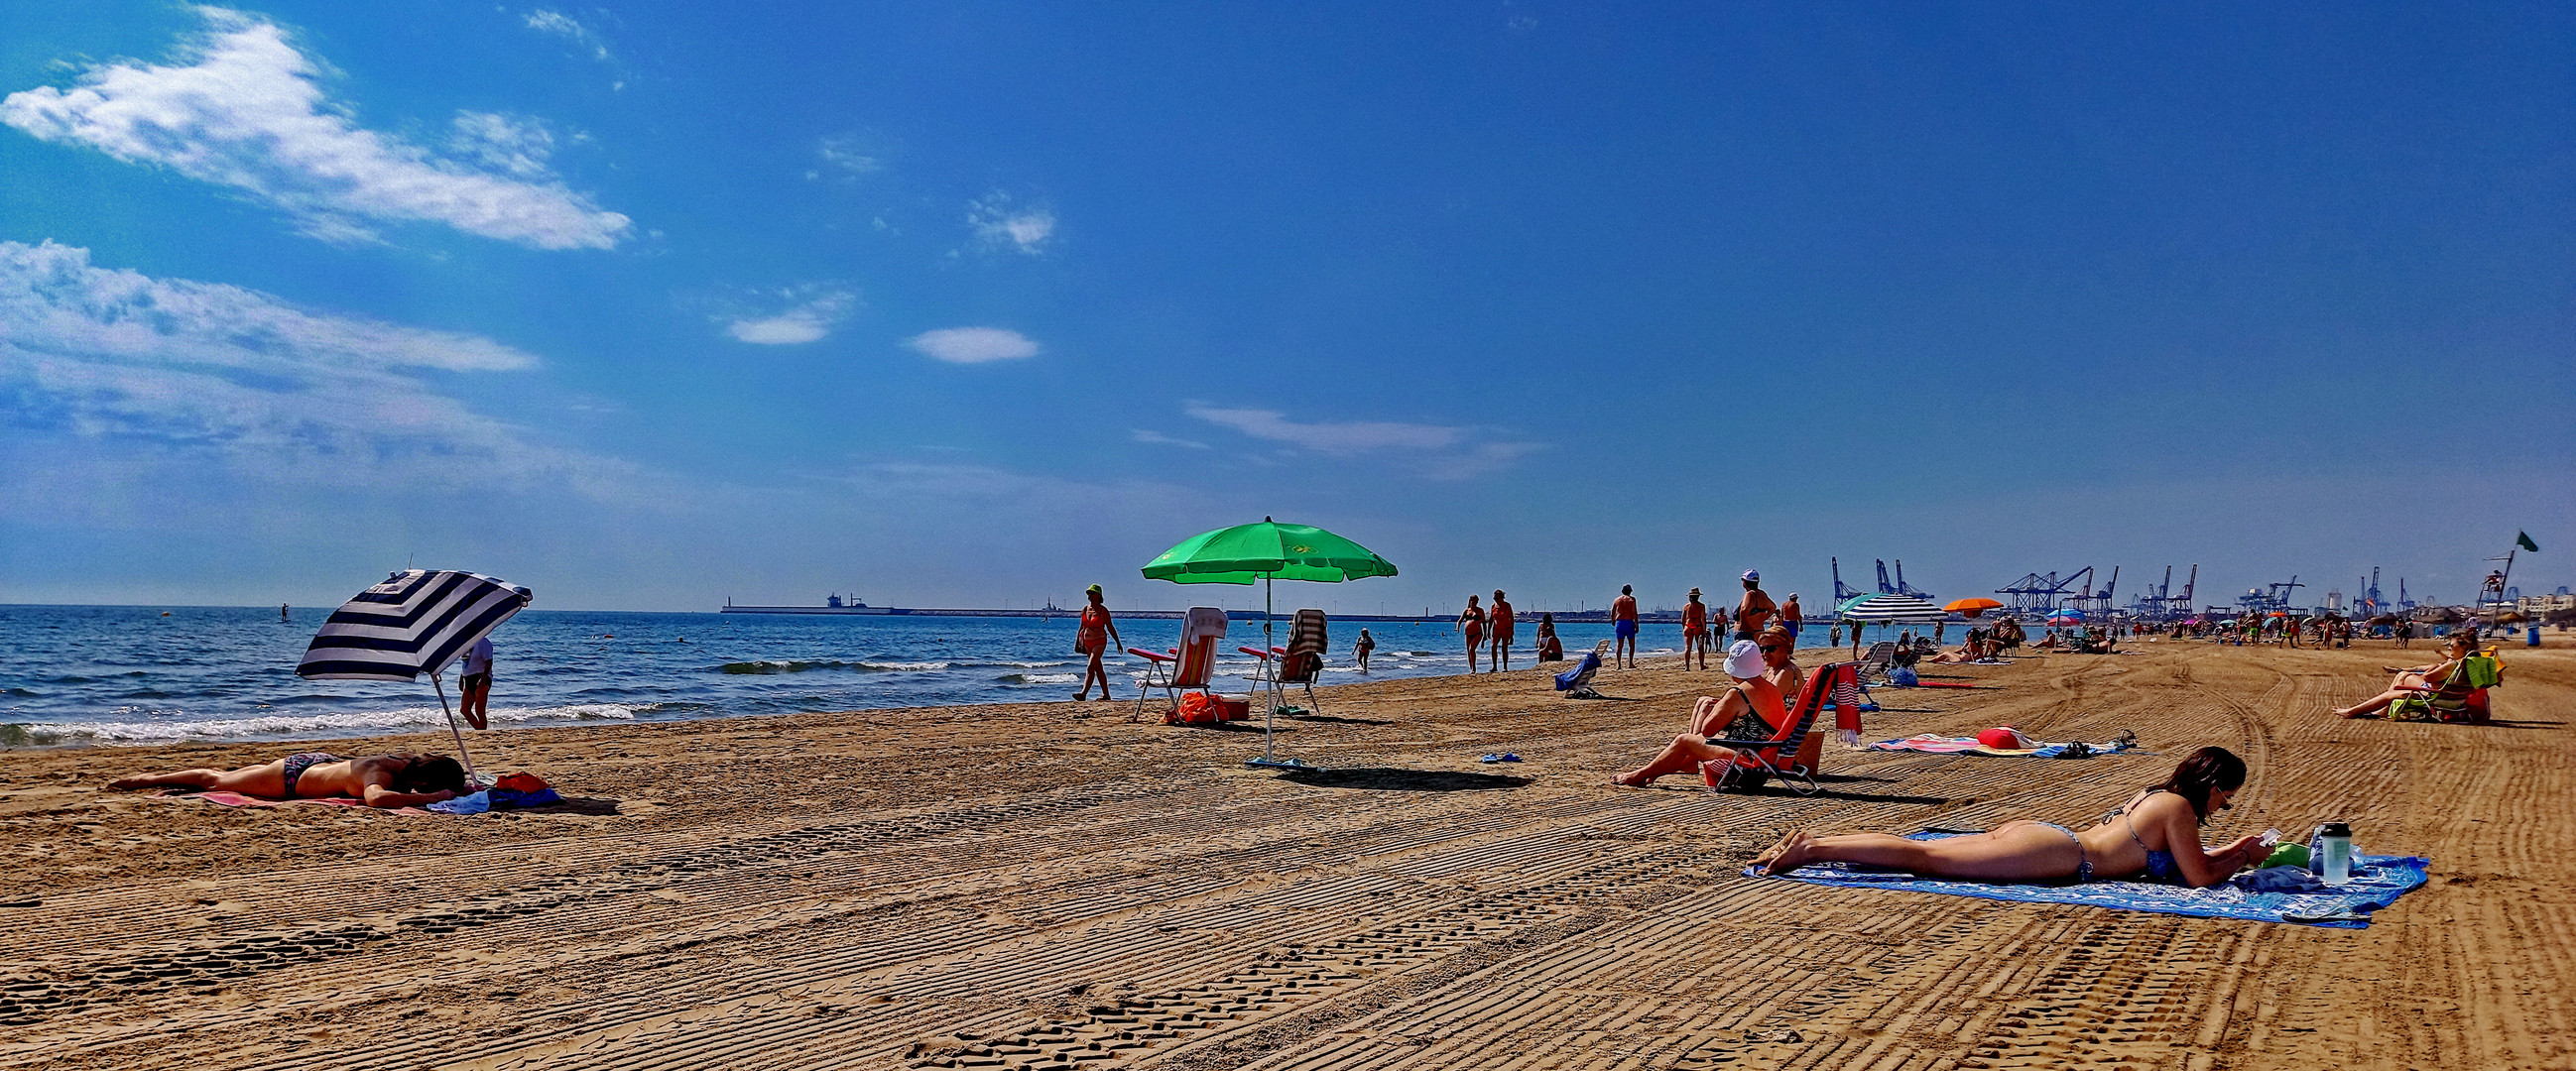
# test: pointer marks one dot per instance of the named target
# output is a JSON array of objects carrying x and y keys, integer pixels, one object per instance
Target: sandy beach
[{"x": 1049, "y": 885}]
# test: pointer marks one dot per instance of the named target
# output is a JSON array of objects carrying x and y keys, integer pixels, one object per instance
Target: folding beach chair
[
  {"x": 1576, "y": 683},
  {"x": 1302, "y": 660},
  {"x": 1759, "y": 760},
  {"x": 2461, "y": 698},
  {"x": 1875, "y": 664},
  {"x": 1186, "y": 667}
]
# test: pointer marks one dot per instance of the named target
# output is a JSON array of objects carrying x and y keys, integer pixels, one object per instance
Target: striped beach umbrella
[
  {"x": 1890, "y": 608},
  {"x": 418, "y": 621}
]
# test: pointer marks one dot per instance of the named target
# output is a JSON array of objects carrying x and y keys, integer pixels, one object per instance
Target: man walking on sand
[
  {"x": 1623, "y": 625},
  {"x": 1499, "y": 626},
  {"x": 1694, "y": 631},
  {"x": 1756, "y": 609}
]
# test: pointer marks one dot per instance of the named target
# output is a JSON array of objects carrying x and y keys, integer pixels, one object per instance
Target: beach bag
[
  {"x": 1196, "y": 708},
  {"x": 1902, "y": 677}
]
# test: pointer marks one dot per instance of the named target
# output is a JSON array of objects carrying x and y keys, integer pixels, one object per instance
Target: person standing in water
[
  {"x": 1500, "y": 621},
  {"x": 476, "y": 684},
  {"x": 1093, "y": 640},
  {"x": 1361, "y": 649},
  {"x": 1793, "y": 618},
  {"x": 1623, "y": 624},
  {"x": 1471, "y": 621},
  {"x": 281, "y": 611},
  {"x": 1694, "y": 631}
]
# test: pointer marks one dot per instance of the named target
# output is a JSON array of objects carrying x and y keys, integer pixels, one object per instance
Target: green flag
[{"x": 2523, "y": 540}]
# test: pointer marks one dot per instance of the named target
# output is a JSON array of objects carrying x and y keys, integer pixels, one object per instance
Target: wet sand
[{"x": 1053, "y": 886}]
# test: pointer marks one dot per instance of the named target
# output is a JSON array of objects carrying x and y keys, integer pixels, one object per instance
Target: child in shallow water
[{"x": 2155, "y": 836}]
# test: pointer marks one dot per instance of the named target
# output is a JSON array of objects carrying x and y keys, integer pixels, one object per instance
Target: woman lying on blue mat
[{"x": 2153, "y": 837}]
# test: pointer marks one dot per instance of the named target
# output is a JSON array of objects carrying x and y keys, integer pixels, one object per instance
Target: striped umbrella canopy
[
  {"x": 416, "y": 622},
  {"x": 1889, "y": 608}
]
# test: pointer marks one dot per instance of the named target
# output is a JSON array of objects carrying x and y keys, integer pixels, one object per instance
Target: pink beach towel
[{"x": 236, "y": 799}]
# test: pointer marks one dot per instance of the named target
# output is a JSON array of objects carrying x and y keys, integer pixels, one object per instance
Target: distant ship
[{"x": 853, "y": 605}]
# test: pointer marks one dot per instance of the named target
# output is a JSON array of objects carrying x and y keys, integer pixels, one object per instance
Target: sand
[{"x": 1053, "y": 886}]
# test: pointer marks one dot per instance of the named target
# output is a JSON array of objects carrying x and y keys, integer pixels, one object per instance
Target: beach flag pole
[{"x": 471, "y": 779}]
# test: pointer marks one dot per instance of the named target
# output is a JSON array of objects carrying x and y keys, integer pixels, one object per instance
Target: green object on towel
[{"x": 2288, "y": 855}]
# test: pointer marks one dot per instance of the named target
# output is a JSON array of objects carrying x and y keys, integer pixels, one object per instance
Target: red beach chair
[{"x": 1759, "y": 760}]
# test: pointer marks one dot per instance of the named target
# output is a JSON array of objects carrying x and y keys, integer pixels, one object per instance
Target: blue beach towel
[{"x": 2377, "y": 881}]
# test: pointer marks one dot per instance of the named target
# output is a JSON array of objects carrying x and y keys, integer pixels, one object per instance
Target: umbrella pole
[
  {"x": 1270, "y": 717},
  {"x": 471, "y": 779}
]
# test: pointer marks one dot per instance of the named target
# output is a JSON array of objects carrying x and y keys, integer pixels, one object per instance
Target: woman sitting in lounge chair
[
  {"x": 2417, "y": 680},
  {"x": 2153, "y": 837},
  {"x": 1751, "y": 709},
  {"x": 377, "y": 780}
]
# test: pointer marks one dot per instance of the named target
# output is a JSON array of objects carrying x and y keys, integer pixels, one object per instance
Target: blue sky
[{"x": 649, "y": 305}]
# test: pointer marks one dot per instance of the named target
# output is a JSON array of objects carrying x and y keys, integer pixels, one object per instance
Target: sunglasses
[{"x": 1770, "y": 647}]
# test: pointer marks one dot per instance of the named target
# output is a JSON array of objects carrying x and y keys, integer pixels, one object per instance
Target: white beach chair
[{"x": 1187, "y": 667}]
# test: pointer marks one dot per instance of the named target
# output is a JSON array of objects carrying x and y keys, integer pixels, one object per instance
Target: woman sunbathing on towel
[
  {"x": 2153, "y": 837},
  {"x": 1751, "y": 710},
  {"x": 2416, "y": 680},
  {"x": 378, "y": 780}
]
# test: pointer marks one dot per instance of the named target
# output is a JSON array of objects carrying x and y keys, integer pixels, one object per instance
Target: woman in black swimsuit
[{"x": 380, "y": 780}]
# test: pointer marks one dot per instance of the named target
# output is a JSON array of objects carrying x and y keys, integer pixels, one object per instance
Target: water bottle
[{"x": 2336, "y": 839}]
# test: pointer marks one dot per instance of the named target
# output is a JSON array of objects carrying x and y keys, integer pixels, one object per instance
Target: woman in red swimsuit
[
  {"x": 1472, "y": 622},
  {"x": 1093, "y": 640}
]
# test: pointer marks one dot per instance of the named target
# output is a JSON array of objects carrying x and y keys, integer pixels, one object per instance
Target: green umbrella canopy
[{"x": 1249, "y": 552}]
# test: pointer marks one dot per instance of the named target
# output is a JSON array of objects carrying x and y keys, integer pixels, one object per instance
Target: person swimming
[{"x": 2155, "y": 836}]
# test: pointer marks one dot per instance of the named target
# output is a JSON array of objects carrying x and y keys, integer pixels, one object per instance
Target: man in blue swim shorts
[{"x": 1623, "y": 624}]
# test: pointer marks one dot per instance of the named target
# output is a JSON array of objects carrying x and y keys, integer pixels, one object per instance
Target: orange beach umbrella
[{"x": 1971, "y": 607}]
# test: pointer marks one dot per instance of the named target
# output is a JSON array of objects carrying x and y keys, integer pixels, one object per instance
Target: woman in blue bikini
[
  {"x": 2155, "y": 836},
  {"x": 376, "y": 780}
]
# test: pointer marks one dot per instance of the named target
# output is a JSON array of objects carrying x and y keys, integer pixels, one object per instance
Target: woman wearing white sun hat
[{"x": 1751, "y": 709}]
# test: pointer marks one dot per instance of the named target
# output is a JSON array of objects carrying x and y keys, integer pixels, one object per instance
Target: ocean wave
[
  {"x": 1031, "y": 679},
  {"x": 294, "y": 725},
  {"x": 790, "y": 666}
]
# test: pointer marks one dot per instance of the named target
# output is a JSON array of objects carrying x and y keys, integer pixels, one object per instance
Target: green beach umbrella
[{"x": 1266, "y": 552}]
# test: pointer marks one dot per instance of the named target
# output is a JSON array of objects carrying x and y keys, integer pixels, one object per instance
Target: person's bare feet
[
  {"x": 1792, "y": 852},
  {"x": 1631, "y": 780}
]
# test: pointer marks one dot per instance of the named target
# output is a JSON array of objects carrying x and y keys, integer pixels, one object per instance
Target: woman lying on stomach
[
  {"x": 2155, "y": 836},
  {"x": 377, "y": 780}
]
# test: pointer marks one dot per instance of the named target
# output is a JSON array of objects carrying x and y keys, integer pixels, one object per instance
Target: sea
[{"x": 109, "y": 675}]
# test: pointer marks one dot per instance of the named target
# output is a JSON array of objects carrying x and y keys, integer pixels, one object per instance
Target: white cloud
[
  {"x": 1331, "y": 438},
  {"x": 1157, "y": 438},
  {"x": 816, "y": 311},
  {"x": 248, "y": 111},
  {"x": 999, "y": 224},
  {"x": 516, "y": 146},
  {"x": 174, "y": 368},
  {"x": 848, "y": 153},
  {"x": 1438, "y": 450},
  {"x": 973, "y": 345}
]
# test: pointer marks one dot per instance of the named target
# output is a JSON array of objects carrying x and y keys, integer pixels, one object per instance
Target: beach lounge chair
[
  {"x": 1774, "y": 758},
  {"x": 1187, "y": 667},
  {"x": 1874, "y": 665},
  {"x": 2461, "y": 698},
  {"x": 1576, "y": 683},
  {"x": 1302, "y": 660}
]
